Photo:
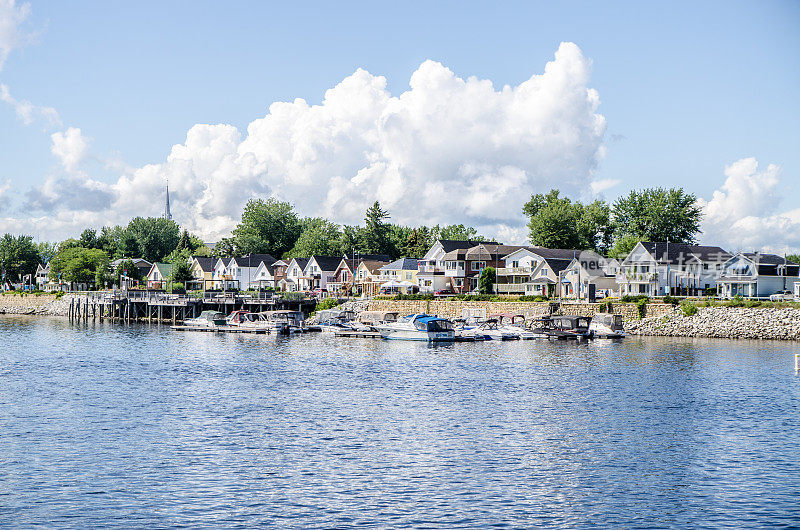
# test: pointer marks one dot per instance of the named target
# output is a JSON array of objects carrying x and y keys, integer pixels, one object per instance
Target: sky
[{"x": 448, "y": 112}]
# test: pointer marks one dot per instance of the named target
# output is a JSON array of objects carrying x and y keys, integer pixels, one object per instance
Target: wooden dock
[
  {"x": 223, "y": 329},
  {"x": 362, "y": 334}
]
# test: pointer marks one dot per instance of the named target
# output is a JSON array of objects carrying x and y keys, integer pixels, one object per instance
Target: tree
[
  {"x": 181, "y": 272},
  {"x": 417, "y": 243},
  {"x": 623, "y": 246},
  {"x": 375, "y": 236},
  {"x": 225, "y": 248},
  {"x": 184, "y": 243},
  {"x": 350, "y": 239},
  {"x": 46, "y": 251},
  {"x": 126, "y": 268},
  {"x": 319, "y": 236},
  {"x": 558, "y": 222},
  {"x": 455, "y": 232},
  {"x": 486, "y": 280},
  {"x": 88, "y": 239},
  {"x": 155, "y": 237},
  {"x": 78, "y": 265},
  {"x": 267, "y": 227},
  {"x": 794, "y": 258},
  {"x": 18, "y": 257},
  {"x": 658, "y": 214}
]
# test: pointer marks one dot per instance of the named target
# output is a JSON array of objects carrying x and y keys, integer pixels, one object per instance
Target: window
[
  {"x": 461, "y": 265},
  {"x": 515, "y": 263},
  {"x": 478, "y": 265}
]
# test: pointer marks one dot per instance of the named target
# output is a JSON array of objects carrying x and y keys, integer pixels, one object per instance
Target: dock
[{"x": 362, "y": 334}]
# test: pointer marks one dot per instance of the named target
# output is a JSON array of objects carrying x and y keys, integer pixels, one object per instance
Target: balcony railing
[
  {"x": 625, "y": 277},
  {"x": 510, "y": 287},
  {"x": 511, "y": 271}
]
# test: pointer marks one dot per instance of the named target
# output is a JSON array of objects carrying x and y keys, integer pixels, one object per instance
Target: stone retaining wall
[
  {"x": 723, "y": 322},
  {"x": 31, "y": 304},
  {"x": 455, "y": 308}
]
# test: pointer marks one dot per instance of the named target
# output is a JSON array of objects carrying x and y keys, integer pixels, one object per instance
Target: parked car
[
  {"x": 781, "y": 296},
  {"x": 444, "y": 292}
]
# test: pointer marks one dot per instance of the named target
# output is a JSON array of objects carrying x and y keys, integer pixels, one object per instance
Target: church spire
[{"x": 167, "y": 213}]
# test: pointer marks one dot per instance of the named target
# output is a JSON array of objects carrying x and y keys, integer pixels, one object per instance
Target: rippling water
[{"x": 105, "y": 425}]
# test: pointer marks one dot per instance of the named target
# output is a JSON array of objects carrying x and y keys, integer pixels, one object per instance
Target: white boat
[
  {"x": 492, "y": 331},
  {"x": 284, "y": 321},
  {"x": 607, "y": 326},
  {"x": 418, "y": 327},
  {"x": 333, "y": 320},
  {"x": 514, "y": 324},
  {"x": 207, "y": 319}
]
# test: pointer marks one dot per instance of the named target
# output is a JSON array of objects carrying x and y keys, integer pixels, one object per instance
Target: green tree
[
  {"x": 658, "y": 214},
  {"x": 155, "y": 237},
  {"x": 455, "y": 232},
  {"x": 794, "y": 258},
  {"x": 350, "y": 239},
  {"x": 594, "y": 226},
  {"x": 486, "y": 280},
  {"x": 623, "y": 246},
  {"x": 417, "y": 242},
  {"x": 127, "y": 268},
  {"x": 181, "y": 272},
  {"x": 19, "y": 257},
  {"x": 184, "y": 243},
  {"x": 46, "y": 251},
  {"x": 79, "y": 265},
  {"x": 225, "y": 248},
  {"x": 558, "y": 222},
  {"x": 319, "y": 236},
  {"x": 267, "y": 227},
  {"x": 88, "y": 239},
  {"x": 375, "y": 236}
]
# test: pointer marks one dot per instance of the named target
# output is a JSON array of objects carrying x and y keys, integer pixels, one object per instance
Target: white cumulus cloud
[
  {"x": 446, "y": 150},
  {"x": 12, "y": 17},
  {"x": 744, "y": 214},
  {"x": 70, "y": 146}
]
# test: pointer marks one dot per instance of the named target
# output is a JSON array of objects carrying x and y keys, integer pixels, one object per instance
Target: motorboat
[
  {"x": 418, "y": 327},
  {"x": 564, "y": 327},
  {"x": 372, "y": 319},
  {"x": 284, "y": 321},
  {"x": 492, "y": 331},
  {"x": 607, "y": 326},
  {"x": 467, "y": 333},
  {"x": 207, "y": 319},
  {"x": 332, "y": 320},
  {"x": 515, "y": 324}
]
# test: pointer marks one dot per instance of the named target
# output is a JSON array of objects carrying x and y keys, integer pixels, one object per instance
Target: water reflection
[{"x": 106, "y": 424}]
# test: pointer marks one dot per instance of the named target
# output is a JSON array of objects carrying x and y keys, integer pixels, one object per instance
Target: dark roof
[
  {"x": 681, "y": 252},
  {"x": 452, "y": 244},
  {"x": 254, "y": 260},
  {"x": 327, "y": 263},
  {"x": 367, "y": 257},
  {"x": 403, "y": 264},
  {"x": 206, "y": 263},
  {"x": 767, "y": 259},
  {"x": 300, "y": 261},
  {"x": 556, "y": 264}
]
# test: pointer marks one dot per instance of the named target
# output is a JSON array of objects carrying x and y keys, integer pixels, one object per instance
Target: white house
[
  {"x": 431, "y": 268},
  {"x": 42, "y": 276},
  {"x": 294, "y": 272},
  {"x": 319, "y": 270},
  {"x": 757, "y": 275},
  {"x": 657, "y": 269},
  {"x": 533, "y": 271},
  {"x": 268, "y": 274},
  {"x": 588, "y": 275}
]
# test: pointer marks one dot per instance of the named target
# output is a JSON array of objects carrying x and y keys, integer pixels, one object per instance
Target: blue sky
[{"x": 685, "y": 88}]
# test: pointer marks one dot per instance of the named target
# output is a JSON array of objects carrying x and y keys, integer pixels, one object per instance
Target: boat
[
  {"x": 418, "y": 327},
  {"x": 492, "y": 331},
  {"x": 284, "y": 321},
  {"x": 564, "y": 327},
  {"x": 207, "y": 319},
  {"x": 607, "y": 326},
  {"x": 333, "y": 320},
  {"x": 372, "y": 319},
  {"x": 514, "y": 324},
  {"x": 465, "y": 332}
]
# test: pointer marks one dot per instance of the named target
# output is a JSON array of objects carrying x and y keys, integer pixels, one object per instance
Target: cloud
[
  {"x": 5, "y": 188},
  {"x": 27, "y": 111},
  {"x": 448, "y": 149},
  {"x": 744, "y": 214},
  {"x": 12, "y": 18},
  {"x": 599, "y": 186},
  {"x": 71, "y": 147}
]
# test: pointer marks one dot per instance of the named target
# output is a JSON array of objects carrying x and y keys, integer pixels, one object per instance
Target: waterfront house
[
  {"x": 399, "y": 275},
  {"x": 587, "y": 276},
  {"x": 657, "y": 269},
  {"x": 242, "y": 269},
  {"x": 267, "y": 275},
  {"x": 202, "y": 269},
  {"x": 431, "y": 268},
  {"x": 319, "y": 270},
  {"x": 291, "y": 281},
  {"x": 367, "y": 277},
  {"x": 142, "y": 266},
  {"x": 533, "y": 271},
  {"x": 42, "y": 276},
  {"x": 759, "y": 275},
  {"x": 463, "y": 267},
  {"x": 159, "y": 275}
]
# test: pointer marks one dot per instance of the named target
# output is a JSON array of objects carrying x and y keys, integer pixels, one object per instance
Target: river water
[{"x": 109, "y": 425}]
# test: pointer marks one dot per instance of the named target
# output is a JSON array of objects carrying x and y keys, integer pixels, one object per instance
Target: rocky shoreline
[
  {"x": 31, "y": 304},
  {"x": 722, "y": 322}
]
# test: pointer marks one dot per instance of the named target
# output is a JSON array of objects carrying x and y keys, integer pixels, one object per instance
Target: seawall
[{"x": 35, "y": 304}]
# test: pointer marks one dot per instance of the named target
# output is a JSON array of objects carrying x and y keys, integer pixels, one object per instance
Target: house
[
  {"x": 342, "y": 283},
  {"x": 267, "y": 275},
  {"x": 533, "y": 271},
  {"x": 587, "y": 275},
  {"x": 142, "y": 266},
  {"x": 42, "y": 276},
  {"x": 159, "y": 275},
  {"x": 403, "y": 272},
  {"x": 658, "y": 269},
  {"x": 754, "y": 274},
  {"x": 242, "y": 269},
  {"x": 431, "y": 268},
  {"x": 318, "y": 272},
  {"x": 291, "y": 281},
  {"x": 463, "y": 267},
  {"x": 202, "y": 269},
  {"x": 367, "y": 277}
]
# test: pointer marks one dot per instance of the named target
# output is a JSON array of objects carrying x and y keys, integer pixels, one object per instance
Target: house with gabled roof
[
  {"x": 159, "y": 275},
  {"x": 202, "y": 269},
  {"x": 267, "y": 275},
  {"x": 533, "y": 271},
  {"x": 661, "y": 268},
  {"x": 587, "y": 276},
  {"x": 319, "y": 270},
  {"x": 294, "y": 272},
  {"x": 463, "y": 267},
  {"x": 753, "y": 274},
  {"x": 366, "y": 280},
  {"x": 431, "y": 267}
]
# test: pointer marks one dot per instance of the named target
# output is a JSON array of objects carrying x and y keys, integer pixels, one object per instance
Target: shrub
[
  {"x": 178, "y": 288},
  {"x": 752, "y": 303},
  {"x": 537, "y": 298},
  {"x": 634, "y": 298},
  {"x": 641, "y": 306},
  {"x": 59, "y": 295},
  {"x": 688, "y": 307},
  {"x": 672, "y": 300},
  {"x": 606, "y": 307},
  {"x": 737, "y": 301},
  {"x": 327, "y": 303}
]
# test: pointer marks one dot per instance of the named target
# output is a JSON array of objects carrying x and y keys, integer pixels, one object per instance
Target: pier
[{"x": 159, "y": 306}]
